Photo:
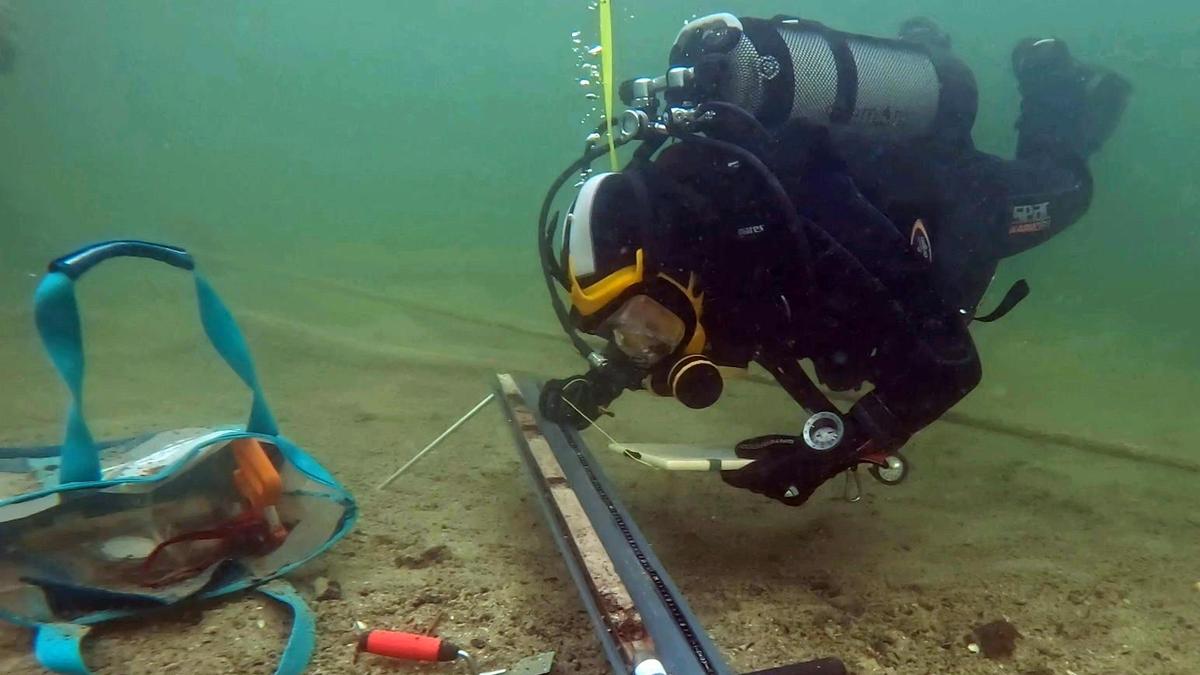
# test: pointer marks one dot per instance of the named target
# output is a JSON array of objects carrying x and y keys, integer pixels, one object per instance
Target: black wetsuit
[{"x": 882, "y": 299}]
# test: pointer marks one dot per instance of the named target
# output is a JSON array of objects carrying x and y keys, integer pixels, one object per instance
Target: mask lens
[{"x": 645, "y": 330}]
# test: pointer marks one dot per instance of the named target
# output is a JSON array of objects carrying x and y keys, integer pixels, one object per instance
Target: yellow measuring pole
[{"x": 606, "y": 75}]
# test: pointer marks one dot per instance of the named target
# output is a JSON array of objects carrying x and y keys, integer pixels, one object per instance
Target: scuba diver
[{"x": 813, "y": 194}]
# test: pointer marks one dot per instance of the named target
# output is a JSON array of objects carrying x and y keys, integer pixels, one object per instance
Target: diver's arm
[
  {"x": 924, "y": 363},
  {"x": 923, "y": 376},
  {"x": 919, "y": 378}
]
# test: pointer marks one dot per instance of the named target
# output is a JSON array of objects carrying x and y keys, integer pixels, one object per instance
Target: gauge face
[
  {"x": 823, "y": 431},
  {"x": 825, "y": 436}
]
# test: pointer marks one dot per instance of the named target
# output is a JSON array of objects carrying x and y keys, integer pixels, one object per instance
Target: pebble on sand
[
  {"x": 327, "y": 589},
  {"x": 997, "y": 639}
]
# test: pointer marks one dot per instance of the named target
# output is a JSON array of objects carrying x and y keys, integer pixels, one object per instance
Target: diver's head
[{"x": 620, "y": 290}]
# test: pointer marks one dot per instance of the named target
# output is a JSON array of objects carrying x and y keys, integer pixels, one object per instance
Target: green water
[
  {"x": 408, "y": 147},
  {"x": 297, "y": 126},
  {"x": 363, "y": 177}
]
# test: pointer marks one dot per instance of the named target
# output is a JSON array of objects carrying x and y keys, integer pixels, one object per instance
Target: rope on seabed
[{"x": 1118, "y": 450}]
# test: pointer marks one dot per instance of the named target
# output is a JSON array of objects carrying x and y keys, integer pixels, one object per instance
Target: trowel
[{"x": 413, "y": 647}]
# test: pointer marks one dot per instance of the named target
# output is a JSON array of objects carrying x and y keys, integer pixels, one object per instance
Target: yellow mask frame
[{"x": 601, "y": 295}]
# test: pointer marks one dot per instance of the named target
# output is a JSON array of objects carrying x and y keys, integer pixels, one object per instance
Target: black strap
[
  {"x": 846, "y": 98},
  {"x": 1018, "y": 292},
  {"x": 650, "y": 240},
  {"x": 791, "y": 376},
  {"x": 880, "y": 423},
  {"x": 778, "y": 92}
]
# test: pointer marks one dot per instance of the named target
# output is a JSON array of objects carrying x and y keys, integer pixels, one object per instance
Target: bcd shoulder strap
[{"x": 1018, "y": 292}]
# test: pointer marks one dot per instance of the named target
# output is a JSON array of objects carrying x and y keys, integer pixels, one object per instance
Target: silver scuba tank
[{"x": 787, "y": 69}]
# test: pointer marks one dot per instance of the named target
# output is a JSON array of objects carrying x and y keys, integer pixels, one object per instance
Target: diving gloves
[{"x": 788, "y": 470}]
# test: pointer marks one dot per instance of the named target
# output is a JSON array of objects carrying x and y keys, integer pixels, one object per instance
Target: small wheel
[{"x": 896, "y": 471}]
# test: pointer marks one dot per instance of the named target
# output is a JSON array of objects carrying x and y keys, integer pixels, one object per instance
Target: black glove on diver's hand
[
  {"x": 786, "y": 469},
  {"x": 577, "y": 401},
  {"x": 574, "y": 401}
]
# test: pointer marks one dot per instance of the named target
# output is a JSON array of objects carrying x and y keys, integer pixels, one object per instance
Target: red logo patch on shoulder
[
  {"x": 1030, "y": 218},
  {"x": 920, "y": 241}
]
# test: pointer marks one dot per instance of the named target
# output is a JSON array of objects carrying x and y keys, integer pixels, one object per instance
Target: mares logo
[
  {"x": 919, "y": 240},
  {"x": 1030, "y": 218},
  {"x": 751, "y": 230}
]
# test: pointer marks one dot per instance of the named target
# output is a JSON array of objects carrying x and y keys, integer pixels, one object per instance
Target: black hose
[
  {"x": 546, "y": 227},
  {"x": 739, "y": 112}
]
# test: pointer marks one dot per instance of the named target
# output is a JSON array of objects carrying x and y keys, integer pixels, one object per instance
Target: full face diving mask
[{"x": 649, "y": 317}]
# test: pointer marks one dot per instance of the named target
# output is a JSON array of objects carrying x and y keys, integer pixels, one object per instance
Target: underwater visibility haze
[{"x": 361, "y": 181}]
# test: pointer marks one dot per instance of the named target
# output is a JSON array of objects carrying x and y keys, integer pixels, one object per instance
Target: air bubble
[
  {"x": 591, "y": 96},
  {"x": 576, "y": 33},
  {"x": 585, "y": 82},
  {"x": 595, "y": 51}
]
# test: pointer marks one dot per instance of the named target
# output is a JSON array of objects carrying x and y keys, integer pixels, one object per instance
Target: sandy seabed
[{"x": 1092, "y": 558}]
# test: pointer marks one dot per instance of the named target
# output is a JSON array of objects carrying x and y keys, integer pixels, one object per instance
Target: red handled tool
[{"x": 411, "y": 647}]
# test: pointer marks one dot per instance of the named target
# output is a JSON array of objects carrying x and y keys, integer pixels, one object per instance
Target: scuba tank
[{"x": 788, "y": 69}]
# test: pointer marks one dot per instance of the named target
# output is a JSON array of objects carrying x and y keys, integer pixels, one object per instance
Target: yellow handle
[
  {"x": 606, "y": 75},
  {"x": 256, "y": 477}
]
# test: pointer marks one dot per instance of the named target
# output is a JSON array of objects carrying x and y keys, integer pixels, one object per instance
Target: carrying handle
[
  {"x": 58, "y": 647},
  {"x": 57, "y": 314},
  {"x": 74, "y": 265}
]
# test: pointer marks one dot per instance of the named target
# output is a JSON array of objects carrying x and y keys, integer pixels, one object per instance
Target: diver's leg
[
  {"x": 1068, "y": 111},
  {"x": 1065, "y": 105}
]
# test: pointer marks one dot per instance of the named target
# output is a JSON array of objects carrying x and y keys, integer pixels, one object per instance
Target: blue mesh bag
[{"x": 92, "y": 531}]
